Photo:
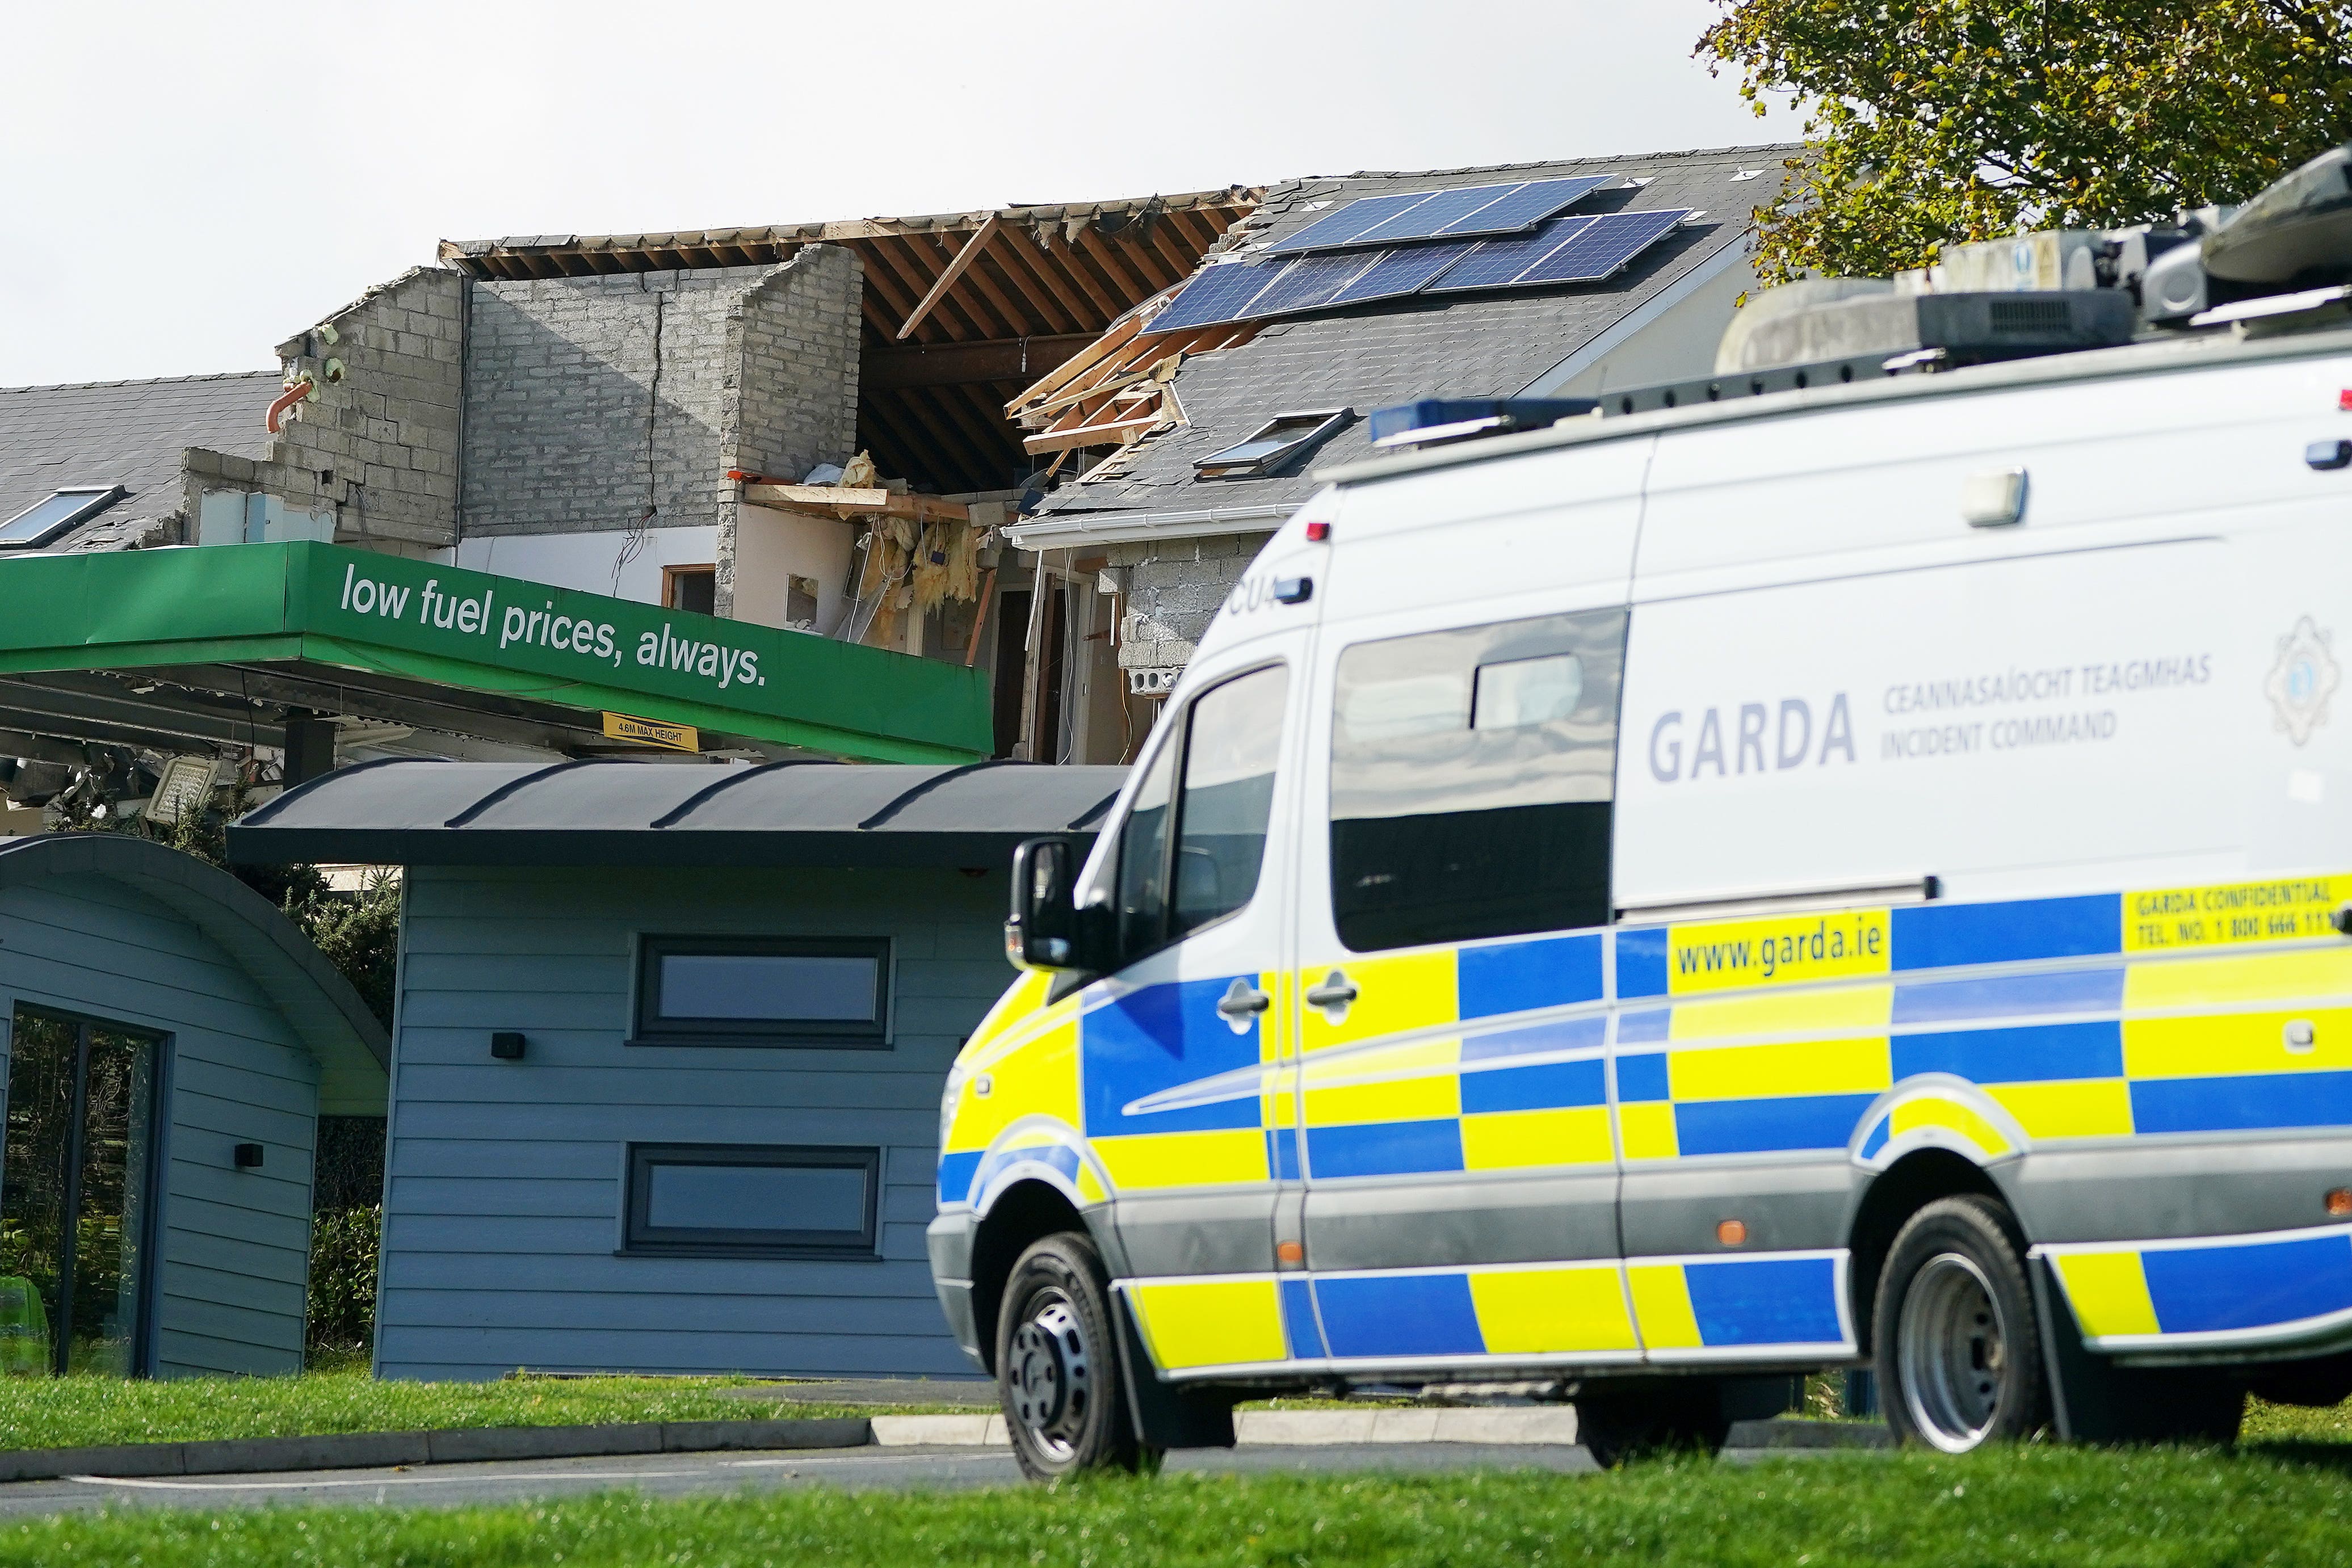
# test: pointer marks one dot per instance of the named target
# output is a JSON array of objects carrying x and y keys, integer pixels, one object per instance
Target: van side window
[
  {"x": 1472, "y": 777},
  {"x": 1234, "y": 738},
  {"x": 1227, "y": 746}
]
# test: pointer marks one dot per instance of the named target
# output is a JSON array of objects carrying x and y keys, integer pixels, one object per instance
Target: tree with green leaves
[{"x": 1931, "y": 123}]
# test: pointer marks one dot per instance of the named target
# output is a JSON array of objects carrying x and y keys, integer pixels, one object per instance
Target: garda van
[{"x": 1644, "y": 907}]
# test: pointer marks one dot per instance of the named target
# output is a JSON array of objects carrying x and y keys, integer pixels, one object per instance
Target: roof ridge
[
  {"x": 1689, "y": 152},
  {"x": 142, "y": 382}
]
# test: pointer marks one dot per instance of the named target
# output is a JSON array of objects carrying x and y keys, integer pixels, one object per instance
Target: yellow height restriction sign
[{"x": 652, "y": 732}]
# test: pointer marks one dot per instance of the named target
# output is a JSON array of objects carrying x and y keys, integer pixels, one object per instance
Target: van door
[
  {"x": 1462, "y": 1187},
  {"x": 1179, "y": 1046}
]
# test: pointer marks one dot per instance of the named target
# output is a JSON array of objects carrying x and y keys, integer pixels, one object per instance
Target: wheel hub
[
  {"x": 1952, "y": 1354},
  {"x": 1050, "y": 1379}
]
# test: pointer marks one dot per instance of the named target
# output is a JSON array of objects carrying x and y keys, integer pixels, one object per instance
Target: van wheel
[
  {"x": 1057, "y": 1365},
  {"x": 1643, "y": 1420},
  {"x": 1959, "y": 1353}
]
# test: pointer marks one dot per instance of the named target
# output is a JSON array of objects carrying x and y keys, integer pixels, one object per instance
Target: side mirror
[{"x": 1044, "y": 929}]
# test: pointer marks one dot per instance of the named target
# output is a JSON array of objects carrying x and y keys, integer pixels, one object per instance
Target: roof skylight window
[
  {"x": 42, "y": 521},
  {"x": 1273, "y": 444}
]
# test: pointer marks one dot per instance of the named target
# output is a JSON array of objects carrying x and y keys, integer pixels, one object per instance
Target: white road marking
[
  {"x": 481, "y": 1478},
  {"x": 368, "y": 1481}
]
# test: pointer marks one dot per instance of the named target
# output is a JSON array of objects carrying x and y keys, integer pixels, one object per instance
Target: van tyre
[
  {"x": 1057, "y": 1367},
  {"x": 1958, "y": 1351}
]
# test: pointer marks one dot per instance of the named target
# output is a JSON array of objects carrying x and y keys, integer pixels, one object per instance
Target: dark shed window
[
  {"x": 719, "y": 990},
  {"x": 774, "y": 1200}
]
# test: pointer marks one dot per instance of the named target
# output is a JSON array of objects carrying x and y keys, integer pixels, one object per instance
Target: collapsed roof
[{"x": 961, "y": 310}]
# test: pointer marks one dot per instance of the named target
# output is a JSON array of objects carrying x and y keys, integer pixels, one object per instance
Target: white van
[{"x": 1851, "y": 877}]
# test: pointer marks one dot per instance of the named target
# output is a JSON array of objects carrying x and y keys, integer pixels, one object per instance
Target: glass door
[{"x": 75, "y": 1197}]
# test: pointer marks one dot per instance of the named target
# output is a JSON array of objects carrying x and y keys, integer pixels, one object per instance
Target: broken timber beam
[
  {"x": 963, "y": 258},
  {"x": 834, "y": 501},
  {"x": 1105, "y": 435}
]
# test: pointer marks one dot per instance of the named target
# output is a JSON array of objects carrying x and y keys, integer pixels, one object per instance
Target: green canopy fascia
[{"x": 357, "y": 609}]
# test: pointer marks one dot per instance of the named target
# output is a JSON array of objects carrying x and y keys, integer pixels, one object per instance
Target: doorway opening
[{"x": 77, "y": 1196}]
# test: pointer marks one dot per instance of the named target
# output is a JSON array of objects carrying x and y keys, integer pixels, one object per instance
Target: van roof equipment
[{"x": 1430, "y": 421}]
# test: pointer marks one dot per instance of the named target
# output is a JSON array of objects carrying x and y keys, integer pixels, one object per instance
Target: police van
[{"x": 1640, "y": 908}]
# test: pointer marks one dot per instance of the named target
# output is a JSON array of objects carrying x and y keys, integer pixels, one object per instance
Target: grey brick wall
[
  {"x": 592, "y": 401},
  {"x": 378, "y": 441},
  {"x": 1173, "y": 590},
  {"x": 791, "y": 400}
]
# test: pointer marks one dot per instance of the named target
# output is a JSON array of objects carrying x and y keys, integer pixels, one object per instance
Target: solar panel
[
  {"x": 1599, "y": 250},
  {"x": 1497, "y": 263},
  {"x": 1340, "y": 228},
  {"x": 1518, "y": 207},
  {"x": 1440, "y": 215},
  {"x": 1218, "y": 294},
  {"x": 1405, "y": 271},
  {"x": 1309, "y": 282},
  {"x": 1435, "y": 211}
]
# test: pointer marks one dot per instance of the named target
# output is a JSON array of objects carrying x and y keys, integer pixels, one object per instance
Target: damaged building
[
  {"x": 799, "y": 428},
  {"x": 1194, "y": 424}
]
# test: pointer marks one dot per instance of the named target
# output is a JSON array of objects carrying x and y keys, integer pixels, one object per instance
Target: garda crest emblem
[{"x": 2302, "y": 681}]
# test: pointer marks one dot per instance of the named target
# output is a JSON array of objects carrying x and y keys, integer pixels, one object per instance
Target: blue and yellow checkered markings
[
  {"x": 1213, "y": 1321},
  {"x": 2233, "y": 1286},
  {"x": 2011, "y": 931},
  {"x": 1053, "y": 1156},
  {"x": 1174, "y": 1096},
  {"x": 1752, "y": 1096},
  {"x": 2279, "y": 1056},
  {"x": 2032, "y": 1053},
  {"x": 1675, "y": 1308},
  {"x": 1430, "y": 1106},
  {"x": 1419, "y": 1316},
  {"x": 1499, "y": 978},
  {"x": 2047, "y": 993},
  {"x": 957, "y": 1169},
  {"x": 1162, "y": 1038},
  {"x": 1025, "y": 1054},
  {"x": 1727, "y": 1303},
  {"x": 1436, "y": 988},
  {"x": 1938, "y": 1112}
]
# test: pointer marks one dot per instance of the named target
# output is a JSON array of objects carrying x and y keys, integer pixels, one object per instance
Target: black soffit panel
[
  {"x": 1464, "y": 213},
  {"x": 1562, "y": 250}
]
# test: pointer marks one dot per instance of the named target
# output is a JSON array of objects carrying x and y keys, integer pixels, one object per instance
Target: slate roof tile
[
  {"x": 1472, "y": 345},
  {"x": 124, "y": 433}
]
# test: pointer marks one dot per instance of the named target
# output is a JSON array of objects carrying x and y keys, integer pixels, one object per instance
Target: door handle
[
  {"x": 1242, "y": 1002},
  {"x": 1333, "y": 995}
]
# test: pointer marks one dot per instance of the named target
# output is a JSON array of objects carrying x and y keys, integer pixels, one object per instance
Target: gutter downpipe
[{"x": 294, "y": 393}]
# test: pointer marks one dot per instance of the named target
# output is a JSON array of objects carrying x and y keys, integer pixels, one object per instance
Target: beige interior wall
[{"x": 771, "y": 547}]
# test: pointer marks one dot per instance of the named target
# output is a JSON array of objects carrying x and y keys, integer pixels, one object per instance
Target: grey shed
[
  {"x": 170, "y": 1042},
  {"x": 670, "y": 1046}
]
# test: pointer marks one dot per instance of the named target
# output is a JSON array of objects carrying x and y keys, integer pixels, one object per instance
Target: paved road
[{"x": 679, "y": 1475}]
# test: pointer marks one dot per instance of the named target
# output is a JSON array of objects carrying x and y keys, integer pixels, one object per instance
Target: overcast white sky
[{"x": 184, "y": 184}]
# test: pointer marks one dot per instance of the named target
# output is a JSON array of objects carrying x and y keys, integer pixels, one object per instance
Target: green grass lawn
[
  {"x": 2278, "y": 1503},
  {"x": 75, "y": 1412}
]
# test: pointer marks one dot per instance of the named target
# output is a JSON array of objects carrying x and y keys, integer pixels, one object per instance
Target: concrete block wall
[
  {"x": 792, "y": 399},
  {"x": 1173, "y": 588},
  {"x": 379, "y": 443},
  {"x": 621, "y": 402},
  {"x": 591, "y": 401}
]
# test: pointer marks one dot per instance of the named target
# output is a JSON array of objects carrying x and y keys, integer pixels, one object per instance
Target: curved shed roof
[
  {"x": 315, "y": 997},
  {"x": 612, "y": 812}
]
